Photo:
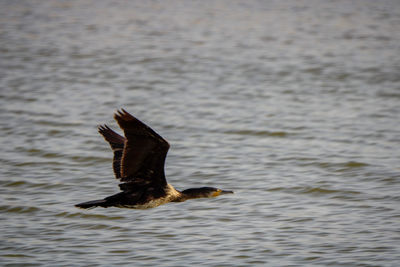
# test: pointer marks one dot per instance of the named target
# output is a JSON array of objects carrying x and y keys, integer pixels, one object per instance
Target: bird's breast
[{"x": 171, "y": 194}]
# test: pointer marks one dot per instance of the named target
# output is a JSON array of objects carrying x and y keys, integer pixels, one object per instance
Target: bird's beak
[{"x": 223, "y": 192}]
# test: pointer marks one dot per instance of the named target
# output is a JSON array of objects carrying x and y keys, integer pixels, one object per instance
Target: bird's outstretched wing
[
  {"x": 117, "y": 145},
  {"x": 143, "y": 156}
]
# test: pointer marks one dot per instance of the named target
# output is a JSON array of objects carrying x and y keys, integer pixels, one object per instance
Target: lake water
[{"x": 294, "y": 105}]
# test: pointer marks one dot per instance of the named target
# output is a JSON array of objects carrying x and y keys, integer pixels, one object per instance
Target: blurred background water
[{"x": 294, "y": 105}]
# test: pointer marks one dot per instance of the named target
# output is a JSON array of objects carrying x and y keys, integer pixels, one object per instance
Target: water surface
[{"x": 293, "y": 105}]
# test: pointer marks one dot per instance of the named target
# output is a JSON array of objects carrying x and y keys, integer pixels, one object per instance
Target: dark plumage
[{"x": 138, "y": 163}]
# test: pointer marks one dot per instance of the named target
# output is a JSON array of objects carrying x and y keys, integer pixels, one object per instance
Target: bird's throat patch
[{"x": 217, "y": 193}]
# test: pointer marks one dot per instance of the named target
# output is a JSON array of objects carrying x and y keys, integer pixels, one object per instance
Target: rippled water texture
[{"x": 294, "y": 105}]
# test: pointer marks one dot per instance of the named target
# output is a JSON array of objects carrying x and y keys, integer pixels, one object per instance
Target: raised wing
[
  {"x": 143, "y": 156},
  {"x": 117, "y": 145}
]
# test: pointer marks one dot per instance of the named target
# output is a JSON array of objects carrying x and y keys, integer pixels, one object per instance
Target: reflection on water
[{"x": 294, "y": 106}]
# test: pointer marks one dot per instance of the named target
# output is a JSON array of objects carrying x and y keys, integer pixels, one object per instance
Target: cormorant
[{"x": 138, "y": 163}]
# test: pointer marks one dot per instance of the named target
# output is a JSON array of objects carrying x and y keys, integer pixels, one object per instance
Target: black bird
[{"x": 138, "y": 163}]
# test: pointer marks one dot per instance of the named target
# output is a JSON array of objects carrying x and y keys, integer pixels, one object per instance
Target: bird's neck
[{"x": 191, "y": 193}]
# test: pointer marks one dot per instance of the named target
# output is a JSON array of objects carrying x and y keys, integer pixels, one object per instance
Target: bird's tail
[{"x": 92, "y": 204}]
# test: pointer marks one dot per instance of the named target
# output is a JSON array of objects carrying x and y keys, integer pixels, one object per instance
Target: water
[{"x": 293, "y": 105}]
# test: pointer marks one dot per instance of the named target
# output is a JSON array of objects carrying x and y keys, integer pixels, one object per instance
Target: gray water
[{"x": 294, "y": 105}]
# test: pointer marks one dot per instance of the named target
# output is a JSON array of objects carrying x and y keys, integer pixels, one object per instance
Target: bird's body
[{"x": 138, "y": 163}]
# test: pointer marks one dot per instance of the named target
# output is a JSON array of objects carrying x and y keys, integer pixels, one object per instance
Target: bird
[{"x": 138, "y": 163}]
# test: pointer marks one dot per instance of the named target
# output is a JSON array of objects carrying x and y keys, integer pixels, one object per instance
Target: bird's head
[{"x": 206, "y": 192}]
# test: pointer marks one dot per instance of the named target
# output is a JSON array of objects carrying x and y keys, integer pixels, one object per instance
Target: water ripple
[{"x": 257, "y": 133}]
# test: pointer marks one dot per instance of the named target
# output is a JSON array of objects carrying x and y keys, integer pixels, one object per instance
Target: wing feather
[
  {"x": 144, "y": 153},
  {"x": 117, "y": 143}
]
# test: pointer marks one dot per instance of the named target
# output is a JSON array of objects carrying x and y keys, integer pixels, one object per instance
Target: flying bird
[{"x": 138, "y": 163}]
